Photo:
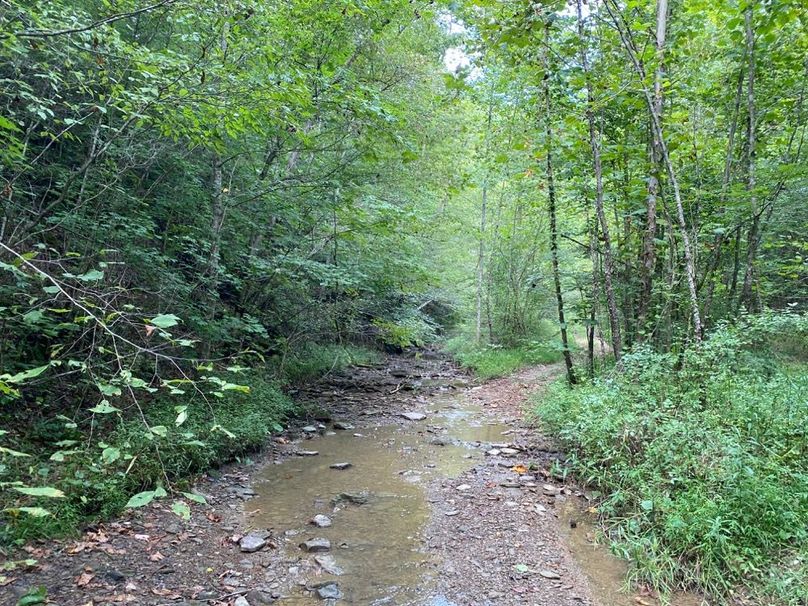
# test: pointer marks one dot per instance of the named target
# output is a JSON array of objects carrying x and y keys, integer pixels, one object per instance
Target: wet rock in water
[
  {"x": 329, "y": 564},
  {"x": 509, "y": 452},
  {"x": 340, "y": 466},
  {"x": 413, "y": 416},
  {"x": 252, "y": 542},
  {"x": 316, "y": 545},
  {"x": 549, "y": 574},
  {"x": 357, "y": 498},
  {"x": 258, "y": 597},
  {"x": 439, "y": 441},
  {"x": 329, "y": 591},
  {"x": 321, "y": 521},
  {"x": 309, "y": 429},
  {"x": 342, "y": 425},
  {"x": 493, "y": 452},
  {"x": 307, "y": 453}
]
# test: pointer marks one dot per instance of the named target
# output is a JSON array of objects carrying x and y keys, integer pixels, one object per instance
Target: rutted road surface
[{"x": 407, "y": 485}]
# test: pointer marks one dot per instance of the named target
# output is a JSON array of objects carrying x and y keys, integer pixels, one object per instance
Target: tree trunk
[
  {"x": 690, "y": 261},
  {"x": 551, "y": 199},
  {"x": 648, "y": 256},
  {"x": 483, "y": 211},
  {"x": 608, "y": 259},
  {"x": 747, "y": 297},
  {"x": 217, "y": 216}
]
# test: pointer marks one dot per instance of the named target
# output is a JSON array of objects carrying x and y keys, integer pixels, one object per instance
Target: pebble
[
  {"x": 309, "y": 429},
  {"x": 321, "y": 521},
  {"x": 316, "y": 545},
  {"x": 329, "y": 564},
  {"x": 252, "y": 543},
  {"x": 241, "y": 601},
  {"x": 329, "y": 591},
  {"x": 413, "y": 416},
  {"x": 463, "y": 487},
  {"x": 307, "y": 453},
  {"x": 342, "y": 425},
  {"x": 549, "y": 574},
  {"x": 341, "y": 466}
]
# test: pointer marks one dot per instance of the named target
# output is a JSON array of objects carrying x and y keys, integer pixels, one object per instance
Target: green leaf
[
  {"x": 13, "y": 453},
  {"x": 647, "y": 505},
  {"x": 35, "y": 595},
  {"x": 181, "y": 509},
  {"x": 91, "y": 276},
  {"x": 196, "y": 498},
  {"x": 141, "y": 499},
  {"x": 104, "y": 408},
  {"x": 160, "y": 492},
  {"x": 110, "y": 455},
  {"x": 165, "y": 321},
  {"x": 182, "y": 415},
  {"x": 108, "y": 390},
  {"x": 40, "y": 491},
  {"x": 160, "y": 430},
  {"x": 28, "y": 374},
  {"x": 37, "y": 512}
]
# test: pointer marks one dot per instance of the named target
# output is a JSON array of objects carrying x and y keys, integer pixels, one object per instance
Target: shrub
[
  {"x": 489, "y": 361},
  {"x": 98, "y": 480},
  {"x": 701, "y": 459}
]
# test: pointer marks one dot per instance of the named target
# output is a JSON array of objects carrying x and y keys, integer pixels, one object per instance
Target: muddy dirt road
[{"x": 407, "y": 485}]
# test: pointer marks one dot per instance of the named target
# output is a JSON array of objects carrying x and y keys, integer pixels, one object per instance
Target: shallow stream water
[{"x": 379, "y": 545}]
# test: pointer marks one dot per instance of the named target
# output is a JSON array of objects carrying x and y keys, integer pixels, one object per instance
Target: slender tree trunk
[
  {"x": 217, "y": 216},
  {"x": 690, "y": 261},
  {"x": 483, "y": 212},
  {"x": 648, "y": 256},
  {"x": 715, "y": 262},
  {"x": 590, "y": 334},
  {"x": 551, "y": 205},
  {"x": 594, "y": 141},
  {"x": 747, "y": 297}
]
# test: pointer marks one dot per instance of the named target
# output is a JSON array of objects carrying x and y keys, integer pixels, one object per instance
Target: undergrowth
[
  {"x": 490, "y": 361},
  {"x": 99, "y": 477},
  {"x": 701, "y": 461}
]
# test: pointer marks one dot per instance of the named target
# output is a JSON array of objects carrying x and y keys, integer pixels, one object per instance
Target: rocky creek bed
[{"x": 409, "y": 485}]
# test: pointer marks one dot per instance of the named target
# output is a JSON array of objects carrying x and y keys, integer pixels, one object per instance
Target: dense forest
[{"x": 206, "y": 204}]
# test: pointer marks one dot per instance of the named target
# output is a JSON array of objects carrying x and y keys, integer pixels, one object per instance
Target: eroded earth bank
[{"x": 407, "y": 484}]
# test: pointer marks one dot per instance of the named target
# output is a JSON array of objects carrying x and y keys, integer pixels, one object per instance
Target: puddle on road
[
  {"x": 378, "y": 544},
  {"x": 605, "y": 572}
]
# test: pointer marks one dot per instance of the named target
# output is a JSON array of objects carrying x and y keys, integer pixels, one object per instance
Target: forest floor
[{"x": 456, "y": 505}]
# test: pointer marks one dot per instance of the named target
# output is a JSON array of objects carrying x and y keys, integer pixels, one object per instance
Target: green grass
[
  {"x": 97, "y": 489},
  {"x": 701, "y": 461},
  {"x": 490, "y": 361},
  {"x": 313, "y": 361},
  {"x": 216, "y": 431}
]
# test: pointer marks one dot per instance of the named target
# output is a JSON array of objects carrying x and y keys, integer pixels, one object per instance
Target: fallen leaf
[
  {"x": 520, "y": 469},
  {"x": 156, "y": 556},
  {"x": 84, "y": 579},
  {"x": 166, "y": 593}
]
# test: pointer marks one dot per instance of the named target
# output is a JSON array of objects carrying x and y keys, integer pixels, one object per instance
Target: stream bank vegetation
[{"x": 205, "y": 204}]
